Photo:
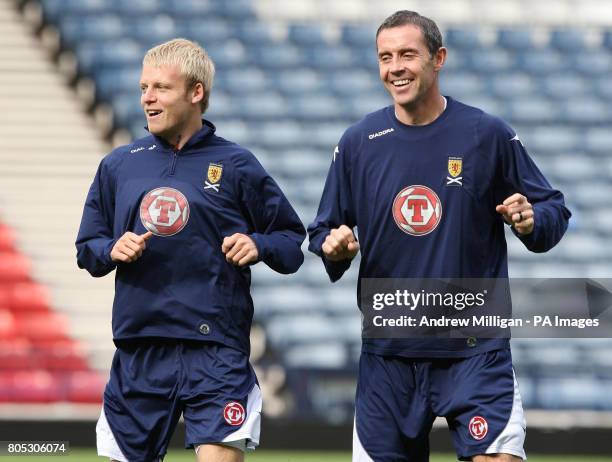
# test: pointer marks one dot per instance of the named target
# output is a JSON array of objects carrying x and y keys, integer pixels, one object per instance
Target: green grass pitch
[{"x": 89, "y": 455}]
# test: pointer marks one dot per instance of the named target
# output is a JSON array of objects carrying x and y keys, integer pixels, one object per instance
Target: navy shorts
[
  {"x": 153, "y": 382},
  {"x": 398, "y": 400}
]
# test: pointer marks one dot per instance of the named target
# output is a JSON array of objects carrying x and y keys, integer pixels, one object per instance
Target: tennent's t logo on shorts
[
  {"x": 234, "y": 413},
  {"x": 164, "y": 211},
  {"x": 417, "y": 210}
]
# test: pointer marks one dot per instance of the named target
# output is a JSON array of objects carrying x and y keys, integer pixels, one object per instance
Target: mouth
[
  {"x": 401, "y": 82},
  {"x": 153, "y": 113}
]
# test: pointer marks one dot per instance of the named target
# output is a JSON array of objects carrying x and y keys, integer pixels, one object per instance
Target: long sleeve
[
  {"x": 95, "y": 238},
  {"x": 278, "y": 231},
  {"x": 520, "y": 174},
  {"x": 335, "y": 209}
]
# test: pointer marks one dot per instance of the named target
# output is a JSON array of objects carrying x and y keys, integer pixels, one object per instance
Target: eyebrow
[{"x": 400, "y": 51}]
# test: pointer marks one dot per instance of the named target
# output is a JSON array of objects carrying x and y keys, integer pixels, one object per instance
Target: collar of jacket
[{"x": 207, "y": 129}]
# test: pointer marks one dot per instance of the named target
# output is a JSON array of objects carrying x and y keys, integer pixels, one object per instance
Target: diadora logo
[
  {"x": 478, "y": 427},
  {"x": 417, "y": 210},
  {"x": 380, "y": 133},
  {"x": 233, "y": 413},
  {"x": 141, "y": 148},
  {"x": 153, "y": 146},
  {"x": 164, "y": 211}
]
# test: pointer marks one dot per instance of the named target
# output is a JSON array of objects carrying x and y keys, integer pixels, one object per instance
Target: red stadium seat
[
  {"x": 42, "y": 327},
  {"x": 14, "y": 267},
  {"x": 7, "y": 239},
  {"x": 36, "y": 386},
  {"x": 85, "y": 387},
  {"x": 17, "y": 354},
  {"x": 28, "y": 296},
  {"x": 8, "y": 326},
  {"x": 61, "y": 355}
]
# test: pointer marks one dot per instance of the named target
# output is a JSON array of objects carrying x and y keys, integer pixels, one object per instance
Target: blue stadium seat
[
  {"x": 228, "y": 55},
  {"x": 151, "y": 30},
  {"x": 308, "y": 35},
  {"x": 603, "y": 87},
  {"x": 137, "y": 8},
  {"x": 516, "y": 39},
  {"x": 277, "y": 56},
  {"x": 554, "y": 140},
  {"x": 583, "y": 392},
  {"x": 236, "y": 10},
  {"x": 98, "y": 55},
  {"x": 464, "y": 38},
  {"x": 221, "y": 105},
  {"x": 511, "y": 85},
  {"x": 592, "y": 63},
  {"x": 490, "y": 61},
  {"x": 365, "y": 104},
  {"x": 533, "y": 110},
  {"x": 188, "y": 8},
  {"x": 205, "y": 31},
  {"x": 607, "y": 39},
  {"x": 330, "y": 57},
  {"x": 240, "y": 84},
  {"x": 564, "y": 84},
  {"x": 321, "y": 107},
  {"x": 598, "y": 141},
  {"x": 586, "y": 111},
  {"x": 460, "y": 84},
  {"x": 298, "y": 163},
  {"x": 297, "y": 81},
  {"x": 572, "y": 40},
  {"x": 351, "y": 83},
  {"x": 542, "y": 62},
  {"x": 55, "y": 9},
  {"x": 359, "y": 35},
  {"x": 110, "y": 82},
  {"x": 327, "y": 355},
  {"x": 77, "y": 28},
  {"x": 261, "y": 106},
  {"x": 254, "y": 33}
]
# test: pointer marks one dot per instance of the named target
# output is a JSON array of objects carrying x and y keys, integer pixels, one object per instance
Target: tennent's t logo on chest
[
  {"x": 417, "y": 210},
  {"x": 164, "y": 211}
]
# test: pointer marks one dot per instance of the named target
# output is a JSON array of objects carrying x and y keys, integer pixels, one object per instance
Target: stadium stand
[{"x": 290, "y": 80}]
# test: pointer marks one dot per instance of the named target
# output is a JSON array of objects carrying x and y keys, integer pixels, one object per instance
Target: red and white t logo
[
  {"x": 417, "y": 210},
  {"x": 478, "y": 427},
  {"x": 234, "y": 413},
  {"x": 164, "y": 211}
]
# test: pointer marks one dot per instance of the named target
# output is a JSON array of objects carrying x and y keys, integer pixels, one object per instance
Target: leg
[
  {"x": 480, "y": 399},
  {"x": 218, "y": 453},
  {"x": 392, "y": 419},
  {"x": 496, "y": 458}
]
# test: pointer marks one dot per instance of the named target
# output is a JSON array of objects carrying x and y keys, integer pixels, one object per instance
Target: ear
[
  {"x": 439, "y": 58},
  {"x": 197, "y": 93}
]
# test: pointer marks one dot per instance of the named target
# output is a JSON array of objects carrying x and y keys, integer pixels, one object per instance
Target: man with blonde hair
[{"x": 181, "y": 215}]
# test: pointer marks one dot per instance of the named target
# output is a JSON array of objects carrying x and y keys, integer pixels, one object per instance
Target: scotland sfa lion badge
[
  {"x": 417, "y": 210},
  {"x": 455, "y": 167},
  {"x": 164, "y": 211},
  {"x": 214, "y": 176}
]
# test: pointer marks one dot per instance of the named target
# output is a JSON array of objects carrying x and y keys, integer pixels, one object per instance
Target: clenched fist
[
  {"x": 239, "y": 249},
  {"x": 129, "y": 247},
  {"x": 518, "y": 212},
  {"x": 340, "y": 244}
]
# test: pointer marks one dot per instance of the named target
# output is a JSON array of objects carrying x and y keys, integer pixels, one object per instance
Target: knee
[{"x": 496, "y": 458}]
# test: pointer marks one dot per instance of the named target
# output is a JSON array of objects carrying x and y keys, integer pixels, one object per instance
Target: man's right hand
[
  {"x": 340, "y": 244},
  {"x": 129, "y": 247}
]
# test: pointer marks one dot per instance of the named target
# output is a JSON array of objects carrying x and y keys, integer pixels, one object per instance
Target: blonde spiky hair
[{"x": 191, "y": 59}]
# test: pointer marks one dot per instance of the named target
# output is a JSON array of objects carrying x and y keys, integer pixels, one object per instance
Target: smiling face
[
  {"x": 171, "y": 108},
  {"x": 407, "y": 69}
]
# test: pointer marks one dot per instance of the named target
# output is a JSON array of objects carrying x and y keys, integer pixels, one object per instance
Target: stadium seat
[
  {"x": 27, "y": 297},
  {"x": 592, "y": 63},
  {"x": 327, "y": 355},
  {"x": 542, "y": 62},
  {"x": 14, "y": 267},
  {"x": 262, "y": 106},
  {"x": 587, "y": 111},
  {"x": 316, "y": 108},
  {"x": 90, "y": 28},
  {"x": 508, "y": 86},
  {"x": 297, "y": 81},
  {"x": 255, "y": 33},
  {"x": 42, "y": 327},
  {"x": 331, "y": 57},
  {"x": 7, "y": 239},
  {"x": 516, "y": 39},
  {"x": 598, "y": 141},
  {"x": 98, "y": 55},
  {"x": 358, "y": 35},
  {"x": 277, "y": 56},
  {"x": 34, "y": 386},
  {"x": 463, "y": 38},
  {"x": 8, "y": 326},
  {"x": 55, "y": 9},
  {"x": 308, "y": 35},
  {"x": 568, "y": 40},
  {"x": 16, "y": 354},
  {"x": 348, "y": 84},
  {"x": 61, "y": 355},
  {"x": 206, "y": 31},
  {"x": 84, "y": 387},
  {"x": 461, "y": 84}
]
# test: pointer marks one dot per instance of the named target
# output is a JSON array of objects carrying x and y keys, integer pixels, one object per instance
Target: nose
[
  {"x": 148, "y": 95},
  {"x": 396, "y": 67}
]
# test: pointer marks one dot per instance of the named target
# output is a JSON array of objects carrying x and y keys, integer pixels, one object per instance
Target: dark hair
[{"x": 433, "y": 37}]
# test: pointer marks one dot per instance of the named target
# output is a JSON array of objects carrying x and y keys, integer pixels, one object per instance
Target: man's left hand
[
  {"x": 518, "y": 212},
  {"x": 239, "y": 249}
]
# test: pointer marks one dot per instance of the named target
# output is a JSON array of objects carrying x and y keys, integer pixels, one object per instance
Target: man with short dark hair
[
  {"x": 181, "y": 215},
  {"x": 429, "y": 183}
]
